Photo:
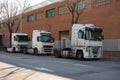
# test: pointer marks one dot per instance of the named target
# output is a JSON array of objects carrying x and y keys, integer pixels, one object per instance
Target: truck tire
[
  {"x": 14, "y": 50},
  {"x": 57, "y": 54},
  {"x": 25, "y": 51},
  {"x": 79, "y": 55},
  {"x": 36, "y": 51}
]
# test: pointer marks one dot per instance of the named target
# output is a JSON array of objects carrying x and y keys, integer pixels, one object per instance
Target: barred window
[
  {"x": 40, "y": 16},
  {"x": 63, "y": 10},
  {"x": 96, "y": 3}
]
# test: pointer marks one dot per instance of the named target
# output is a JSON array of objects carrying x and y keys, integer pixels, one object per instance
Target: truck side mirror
[
  {"x": 28, "y": 38},
  {"x": 38, "y": 39},
  {"x": 53, "y": 39}
]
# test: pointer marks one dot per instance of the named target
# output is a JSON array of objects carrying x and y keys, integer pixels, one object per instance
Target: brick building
[{"x": 57, "y": 19}]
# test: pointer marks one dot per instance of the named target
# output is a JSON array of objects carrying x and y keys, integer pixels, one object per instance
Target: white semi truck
[
  {"x": 86, "y": 42},
  {"x": 42, "y": 43},
  {"x": 19, "y": 42}
]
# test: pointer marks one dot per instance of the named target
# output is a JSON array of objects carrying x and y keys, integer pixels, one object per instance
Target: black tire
[
  {"x": 25, "y": 51},
  {"x": 57, "y": 54},
  {"x": 14, "y": 50},
  {"x": 36, "y": 51},
  {"x": 79, "y": 55}
]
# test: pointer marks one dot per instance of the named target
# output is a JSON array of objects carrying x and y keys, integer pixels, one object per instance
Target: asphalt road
[{"x": 17, "y": 66}]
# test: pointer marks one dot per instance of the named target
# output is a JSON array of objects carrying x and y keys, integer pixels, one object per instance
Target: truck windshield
[
  {"x": 22, "y": 38},
  {"x": 94, "y": 34},
  {"x": 46, "y": 37}
]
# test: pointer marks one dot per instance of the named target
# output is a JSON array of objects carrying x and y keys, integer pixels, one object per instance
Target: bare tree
[
  {"x": 10, "y": 10},
  {"x": 76, "y": 8}
]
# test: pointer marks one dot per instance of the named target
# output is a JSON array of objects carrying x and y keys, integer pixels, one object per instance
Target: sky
[{"x": 33, "y": 2}]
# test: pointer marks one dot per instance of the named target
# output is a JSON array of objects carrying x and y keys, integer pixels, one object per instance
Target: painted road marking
[
  {"x": 80, "y": 65},
  {"x": 37, "y": 68},
  {"x": 64, "y": 62}
]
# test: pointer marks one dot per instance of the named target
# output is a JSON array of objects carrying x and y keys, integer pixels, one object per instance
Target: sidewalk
[{"x": 12, "y": 72}]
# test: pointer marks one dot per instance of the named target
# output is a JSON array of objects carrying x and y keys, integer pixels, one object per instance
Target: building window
[
  {"x": 31, "y": 18},
  {"x": 63, "y": 10},
  {"x": 81, "y": 5},
  {"x": 96, "y": 3},
  {"x": 50, "y": 13},
  {"x": 40, "y": 16}
]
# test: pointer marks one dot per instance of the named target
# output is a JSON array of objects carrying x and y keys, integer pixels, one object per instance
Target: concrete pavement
[
  {"x": 17, "y": 66},
  {"x": 11, "y": 72}
]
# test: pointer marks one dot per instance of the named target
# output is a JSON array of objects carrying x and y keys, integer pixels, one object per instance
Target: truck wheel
[
  {"x": 14, "y": 50},
  {"x": 25, "y": 51},
  {"x": 57, "y": 54},
  {"x": 36, "y": 51},
  {"x": 79, "y": 55}
]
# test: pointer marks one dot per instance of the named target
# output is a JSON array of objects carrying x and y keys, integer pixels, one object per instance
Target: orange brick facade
[{"x": 105, "y": 16}]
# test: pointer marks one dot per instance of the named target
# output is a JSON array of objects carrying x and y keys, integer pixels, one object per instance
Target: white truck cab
[
  {"x": 42, "y": 43},
  {"x": 19, "y": 42},
  {"x": 86, "y": 42}
]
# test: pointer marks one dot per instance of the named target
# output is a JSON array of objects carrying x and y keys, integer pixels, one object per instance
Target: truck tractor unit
[
  {"x": 42, "y": 43},
  {"x": 86, "y": 43},
  {"x": 19, "y": 42}
]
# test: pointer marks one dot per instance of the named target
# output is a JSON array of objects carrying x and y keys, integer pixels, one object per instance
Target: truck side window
[
  {"x": 15, "y": 38},
  {"x": 80, "y": 34},
  {"x": 37, "y": 39}
]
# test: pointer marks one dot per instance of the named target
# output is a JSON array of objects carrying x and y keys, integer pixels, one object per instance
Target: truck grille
[
  {"x": 48, "y": 48},
  {"x": 95, "y": 50}
]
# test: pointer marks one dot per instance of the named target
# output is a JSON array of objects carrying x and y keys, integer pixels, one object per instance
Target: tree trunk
[
  {"x": 76, "y": 21},
  {"x": 72, "y": 18},
  {"x": 10, "y": 33}
]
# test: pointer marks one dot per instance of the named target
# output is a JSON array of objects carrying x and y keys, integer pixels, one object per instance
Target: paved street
[{"x": 16, "y": 66}]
